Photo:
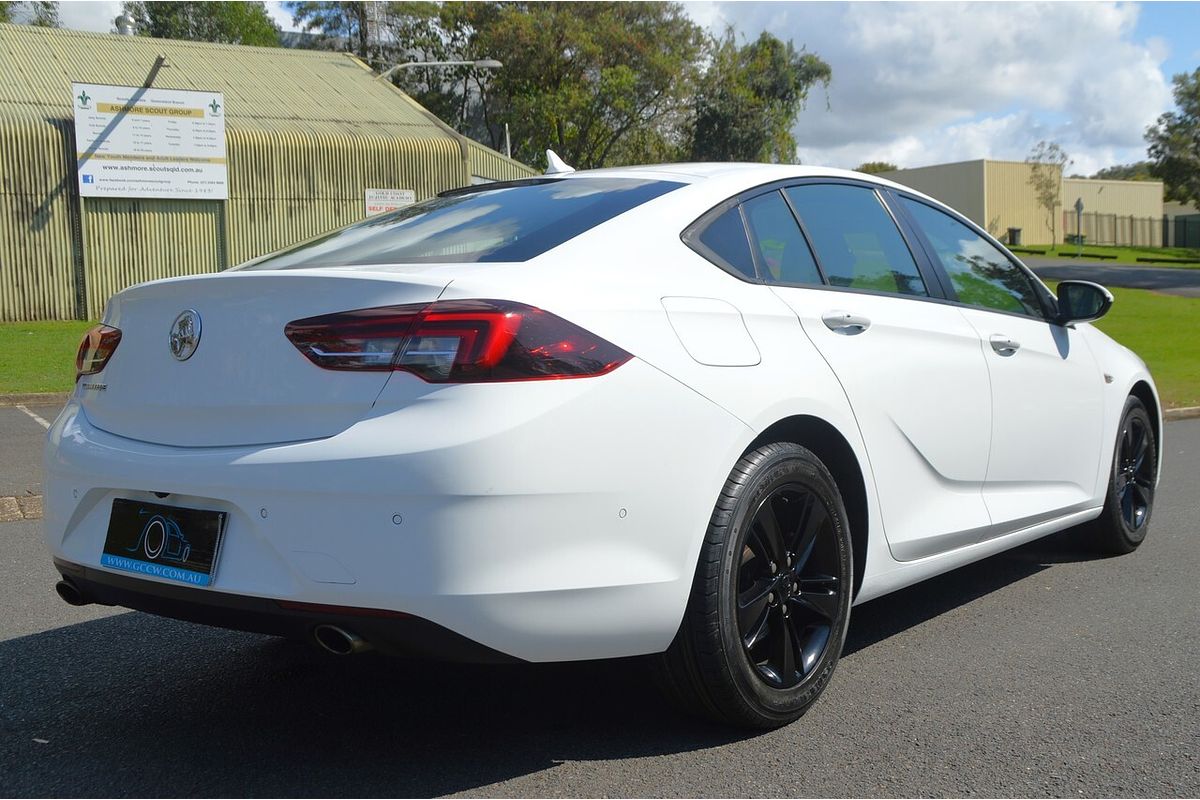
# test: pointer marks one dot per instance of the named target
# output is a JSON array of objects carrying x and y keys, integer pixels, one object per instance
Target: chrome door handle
[
  {"x": 845, "y": 323},
  {"x": 1003, "y": 345}
]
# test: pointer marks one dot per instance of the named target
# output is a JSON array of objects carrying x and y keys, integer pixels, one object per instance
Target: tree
[
  {"x": 1047, "y": 161},
  {"x": 41, "y": 13},
  {"x": 354, "y": 23},
  {"x": 1137, "y": 171},
  {"x": 598, "y": 82},
  {"x": 231, "y": 23},
  {"x": 875, "y": 167},
  {"x": 749, "y": 97},
  {"x": 1174, "y": 142}
]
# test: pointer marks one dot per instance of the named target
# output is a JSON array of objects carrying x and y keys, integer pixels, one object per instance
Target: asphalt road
[
  {"x": 1181, "y": 282},
  {"x": 1042, "y": 671}
]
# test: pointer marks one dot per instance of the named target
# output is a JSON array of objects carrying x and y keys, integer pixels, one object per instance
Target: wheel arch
[{"x": 835, "y": 452}]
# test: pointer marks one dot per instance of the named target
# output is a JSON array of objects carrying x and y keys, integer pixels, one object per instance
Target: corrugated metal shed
[
  {"x": 1011, "y": 202},
  {"x": 998, "y": 195},
  {"x": 959, "y": 185},
  {"x": 306, "y": 133}
]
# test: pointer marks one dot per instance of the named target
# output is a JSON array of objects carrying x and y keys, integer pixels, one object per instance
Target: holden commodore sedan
[{"x": 689, "y": 411}]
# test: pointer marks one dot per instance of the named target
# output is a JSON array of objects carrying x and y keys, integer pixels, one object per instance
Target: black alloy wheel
[
  {"x": 788, "y": 598},
  {"x": 770, "y": 601},
  {"x": 1125, "y": 519},
  {"x": 1134, "y": 478}
]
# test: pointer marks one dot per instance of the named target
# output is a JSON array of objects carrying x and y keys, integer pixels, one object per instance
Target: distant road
[{"x": 1181, "y": 282}]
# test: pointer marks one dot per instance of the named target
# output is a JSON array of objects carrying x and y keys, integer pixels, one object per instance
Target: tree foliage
[
  {"x": 600, "y": 83},
  {"x": 42, "y": 13},
  {"x": 349, "y": 22},
  {"x": 748, "y": 99},
  {"x": 1137, "y": 171},
  {"x": 1174, "y": 142},
  {"x": 597, "y": 82},
  {"x": 1048, "y": 161},
  {"x": 231, "y": 23},
  {"x": 875, "y": 167}
]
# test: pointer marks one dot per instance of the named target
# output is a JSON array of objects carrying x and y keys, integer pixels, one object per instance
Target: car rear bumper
[
  {"x": 390, "y": 632},
  {"x": 537, "y": 522}
]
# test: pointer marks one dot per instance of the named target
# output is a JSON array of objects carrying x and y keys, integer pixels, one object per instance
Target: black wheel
[
  {"x": 1125, "y": 520},
  {"x": 770, "y": 602}
]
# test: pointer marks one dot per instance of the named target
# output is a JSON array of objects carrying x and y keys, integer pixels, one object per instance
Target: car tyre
[
  {"x": 1123, "y": 524},
  {"x": 770, "y": 602}
]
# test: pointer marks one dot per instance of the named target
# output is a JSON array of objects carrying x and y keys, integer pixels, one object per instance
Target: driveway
[{"x": 1181, "y": 282}]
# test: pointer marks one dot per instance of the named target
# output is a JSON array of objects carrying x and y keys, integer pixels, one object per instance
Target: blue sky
[{"x": 928, "y": 83}]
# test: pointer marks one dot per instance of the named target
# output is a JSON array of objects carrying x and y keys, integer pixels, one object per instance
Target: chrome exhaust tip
[
  {"x": 339, "y": 641},
  {"x": 70, "y": 593}
]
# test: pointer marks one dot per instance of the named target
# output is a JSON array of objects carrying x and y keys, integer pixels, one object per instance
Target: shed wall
[
  {"x": 960, "y": 185},
  {"x": 1011, "y": 202}
]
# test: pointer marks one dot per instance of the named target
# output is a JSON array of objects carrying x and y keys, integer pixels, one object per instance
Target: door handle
[
  {"x": 1003, "y": 345},
  {"x": 845, "y": 323}
]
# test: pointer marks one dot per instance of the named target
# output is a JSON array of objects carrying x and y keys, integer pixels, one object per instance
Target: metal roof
[{"x": 271, "y": 89}]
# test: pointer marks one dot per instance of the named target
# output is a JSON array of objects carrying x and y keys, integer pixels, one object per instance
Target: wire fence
[
  {"x": 1183, "y": 232},
  {"x": 1131, "y": 231},
  {"x": 1115, "y": 229}
]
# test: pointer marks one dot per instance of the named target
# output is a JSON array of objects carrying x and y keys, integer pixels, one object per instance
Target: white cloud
[
  {"x": 282, "y": 17},
  {"x": 920, "y": 83},
  {"x": 92, "y": 16}
]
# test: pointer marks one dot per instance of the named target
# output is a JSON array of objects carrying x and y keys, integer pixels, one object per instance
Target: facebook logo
[{"x": 89, "y": 178}]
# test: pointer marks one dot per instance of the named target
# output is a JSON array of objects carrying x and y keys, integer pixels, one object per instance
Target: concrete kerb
[{"x": 35, "y": 399}]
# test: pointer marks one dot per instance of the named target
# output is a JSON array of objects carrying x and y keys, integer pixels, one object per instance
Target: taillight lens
[
  {"x": 456, "y": 341},
  {"x": 96, "y": 349}
]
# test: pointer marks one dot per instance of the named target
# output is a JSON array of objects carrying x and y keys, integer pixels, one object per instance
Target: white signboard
[
  {"x": 133, "y": 142},
  {"x": 381, "y": 200}
]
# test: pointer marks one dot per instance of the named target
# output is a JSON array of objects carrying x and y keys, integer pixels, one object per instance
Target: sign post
[{"x": 1079, "y": 227}]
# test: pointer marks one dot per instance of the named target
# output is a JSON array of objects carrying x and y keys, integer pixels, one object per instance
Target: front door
[{"x": 912, "y": 369}]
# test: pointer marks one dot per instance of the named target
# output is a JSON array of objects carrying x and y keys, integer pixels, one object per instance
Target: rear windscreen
[{"x": 511, "y": 222}]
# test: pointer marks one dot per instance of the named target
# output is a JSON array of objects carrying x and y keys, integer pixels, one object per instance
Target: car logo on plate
[{"x": 185, "y": 335}]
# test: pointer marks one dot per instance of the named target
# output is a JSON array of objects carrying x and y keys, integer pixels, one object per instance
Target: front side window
[
  {"x": 980, "y": 274},
  {"x": 781, "y": 247},
  {"x": 500, "y": 222},
  {"x": 856, "y": 240}
]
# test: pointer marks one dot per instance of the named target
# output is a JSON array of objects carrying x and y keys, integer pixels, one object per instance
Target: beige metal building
[
  {"x": 306, "y": 133},
  {"x": 998, "y": 196}
]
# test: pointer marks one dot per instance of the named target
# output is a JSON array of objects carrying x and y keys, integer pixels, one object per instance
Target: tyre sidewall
[
  {"x": 798, "y": 466},
  {"x": 1129, "y": 537}
]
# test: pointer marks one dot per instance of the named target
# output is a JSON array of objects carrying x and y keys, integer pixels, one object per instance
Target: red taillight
[
  {"x": 96, "y": 349},
  {"x": 456, "y": 341}
]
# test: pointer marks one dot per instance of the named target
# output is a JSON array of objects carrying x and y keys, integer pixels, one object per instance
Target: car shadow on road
[
  {"x": 137, "y": 705},
  {"x": 893, "y": 613}
]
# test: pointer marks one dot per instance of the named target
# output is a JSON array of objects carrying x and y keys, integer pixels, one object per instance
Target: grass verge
[
  {"x": 39, "y": 356},
  {"x": 1162, "y": 330}
]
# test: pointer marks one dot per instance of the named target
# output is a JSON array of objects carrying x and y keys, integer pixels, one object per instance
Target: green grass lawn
[
  {"x": 39, "y": 356},
  {"x": 1124, "y": 255},
  {"x": 1163, "y": 330}
]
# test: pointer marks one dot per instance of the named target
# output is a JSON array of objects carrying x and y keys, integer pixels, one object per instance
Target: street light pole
[{"x": 483, "y": 63}]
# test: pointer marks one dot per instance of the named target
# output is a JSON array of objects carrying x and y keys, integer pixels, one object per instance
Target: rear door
[
  {"x": 911, "y": 367},
  {"x": 1045, "y": 382}
]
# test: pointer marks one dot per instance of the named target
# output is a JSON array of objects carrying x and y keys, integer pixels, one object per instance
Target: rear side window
[
  {"x": 725, "y": 237},
  {"x": 781, "y": 247},
  {"x": 981, "y": 275},
  {"x": 502, "y": 222},
  {"x": 856, "y": 239}
]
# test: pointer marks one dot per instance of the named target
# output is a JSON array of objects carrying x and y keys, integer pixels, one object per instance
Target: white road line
[{"x": 35, "y": 417}]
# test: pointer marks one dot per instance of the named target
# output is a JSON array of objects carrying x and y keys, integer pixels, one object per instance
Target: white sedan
[{"x": 691, "y": 410}]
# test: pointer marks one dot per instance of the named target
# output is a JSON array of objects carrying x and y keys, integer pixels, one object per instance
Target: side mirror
[{"x": 1082, "y": 301}]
